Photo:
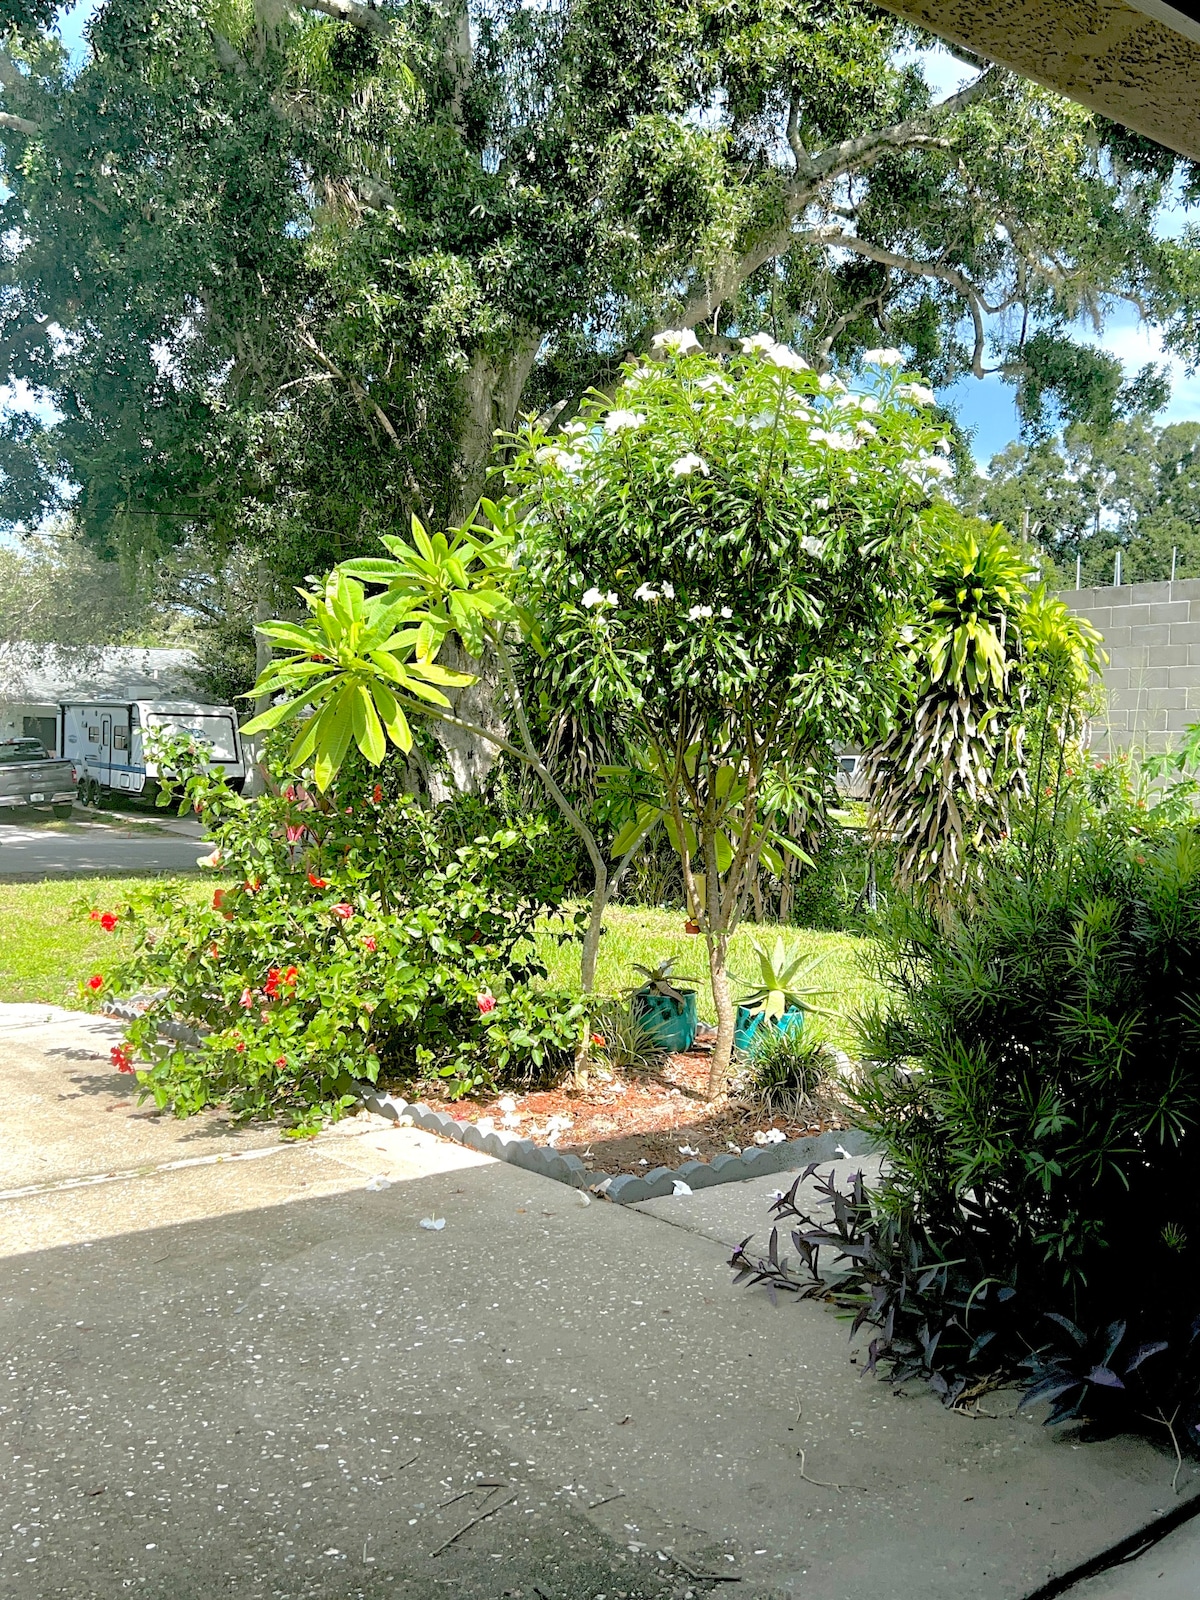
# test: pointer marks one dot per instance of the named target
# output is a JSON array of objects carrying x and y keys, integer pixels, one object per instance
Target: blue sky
[{"x": 984, "y": 406}]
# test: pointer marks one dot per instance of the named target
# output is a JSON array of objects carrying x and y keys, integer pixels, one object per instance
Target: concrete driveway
[
  {"x": 30, "y": 851},
  {"x": 240, "y": 1367}
]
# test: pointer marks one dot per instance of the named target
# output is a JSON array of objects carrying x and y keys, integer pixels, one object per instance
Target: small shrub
[
  {"x": 788, "y": 1072},
  {"x": 351, "y": 936},
  {"x": 628, "y": 1043}
]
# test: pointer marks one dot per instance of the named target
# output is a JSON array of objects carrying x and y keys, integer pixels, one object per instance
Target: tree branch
[
  {"x": 811, "y": 175},
  {"x": 19, "y": 124},
  {"x": 350, "y": 11}
]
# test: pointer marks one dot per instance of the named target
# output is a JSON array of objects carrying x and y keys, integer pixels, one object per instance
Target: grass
[
  {"x": 48, "y": 947},
  {"x": 649, "y": 935}
]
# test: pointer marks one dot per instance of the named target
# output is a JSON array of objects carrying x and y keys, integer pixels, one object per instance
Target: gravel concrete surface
[
  {"x": 29, "y": 852},
  {"x": 262, "y": 1376}
]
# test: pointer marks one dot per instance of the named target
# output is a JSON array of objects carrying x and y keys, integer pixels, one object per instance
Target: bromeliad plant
[
  {"x": 724, "y": 555},
  {"x": 991, "y": 661},
  {"x": 778, "y": 986}
]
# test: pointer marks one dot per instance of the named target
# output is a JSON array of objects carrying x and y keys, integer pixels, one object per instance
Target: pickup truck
[{"x": 30, "y": 779}]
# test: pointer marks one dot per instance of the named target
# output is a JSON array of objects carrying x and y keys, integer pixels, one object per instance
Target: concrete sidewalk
[{"x": 261, "y": 1376}]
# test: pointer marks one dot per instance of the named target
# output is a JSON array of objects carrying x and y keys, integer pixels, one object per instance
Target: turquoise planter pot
[
  {"x": 750, "y": 1024},
  {"x": 670, "y": 1026}
]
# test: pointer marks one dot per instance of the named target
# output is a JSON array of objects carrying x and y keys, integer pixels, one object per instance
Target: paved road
[
  {"x": 31, "y": 851},
  {"x": 242, "y": 1368}
]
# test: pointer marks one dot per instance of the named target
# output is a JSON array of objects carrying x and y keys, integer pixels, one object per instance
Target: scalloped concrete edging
[{"x": 625, "y": 1188}]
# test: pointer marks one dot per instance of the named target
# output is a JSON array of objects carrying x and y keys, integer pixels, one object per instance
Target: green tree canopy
[
  {"x": 1132, "y": 487},
  {"x": 283, "y": 266}
]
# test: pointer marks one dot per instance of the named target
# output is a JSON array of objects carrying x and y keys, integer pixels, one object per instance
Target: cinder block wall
[{"x": 1152, "y": 682}]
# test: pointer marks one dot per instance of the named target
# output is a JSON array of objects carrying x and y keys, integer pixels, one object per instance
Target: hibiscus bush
[{"x": 352, "y": 935}]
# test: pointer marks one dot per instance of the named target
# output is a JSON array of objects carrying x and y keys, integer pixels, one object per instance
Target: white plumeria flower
[
  {"x": 882, "y": 358},
  {"x": 645, "y": 592},
  {"x": 942, "y": 447},
  {"x": 668, "y": 590},
  {"x": 764, "y": 419},
  {"x": 868, "y": 402},
  {"x": 813, "y": 547},
  {"x": 917, "y": 393},
  {"x": 713, "y": 381},
  {"x": 830, "y": 385},
  {"x": 757, "y": 341},
  {"x": 679, "y": 340},
  {"x": 782, "y": 355},
  {"x": 866, "y": 430},
  {"x": 726, "y": 613},
  {"x": 822, "y": 504},
  {"x": 618, "y": 421},
  {"x": 696, "y": 612},
  {"x": 836, "y": 439},
  {"x": 596, "y": 597},
  {"x": 576, "y": 425},
  {"x": 686, "y": 465}
]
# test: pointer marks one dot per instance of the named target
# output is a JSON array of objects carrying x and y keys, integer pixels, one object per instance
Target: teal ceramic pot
[
  {"x": 671, "y": 1026},
  {"x": 750, "y": 1023}
]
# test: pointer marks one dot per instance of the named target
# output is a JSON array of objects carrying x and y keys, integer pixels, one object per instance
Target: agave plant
[
  {"x": 661, "y": 981},
  {"x": 781, "y": 985}
]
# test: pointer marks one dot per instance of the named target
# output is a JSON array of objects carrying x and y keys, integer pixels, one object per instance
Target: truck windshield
[
  {"x": 215, "y": 731},
  {"x": 14, "y": 750}
]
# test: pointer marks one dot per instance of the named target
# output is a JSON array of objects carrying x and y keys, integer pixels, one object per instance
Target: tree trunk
[
  {"x": 722, "y": 1056},
  {"x": 492, "y": 391}
]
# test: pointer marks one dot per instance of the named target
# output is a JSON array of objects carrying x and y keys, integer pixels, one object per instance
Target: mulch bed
[{"x": 640, "y": 1120}]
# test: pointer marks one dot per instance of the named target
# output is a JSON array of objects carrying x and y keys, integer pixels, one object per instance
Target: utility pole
[
  {"x": 1079, "y": 572},
  {"x": 1117, "y": 570},
  {"x": 1174, "y": 556}
]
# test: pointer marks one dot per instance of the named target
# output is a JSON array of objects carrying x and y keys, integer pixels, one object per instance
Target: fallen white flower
[
  {"x": 882, "y": 358},
  {"x": 770, "y": 1136},
  {"x": 679, "y": 340},
  {"x": 686, "y": 465},
  {"x": 686, "y": 1150},
  {"x": 375, "y": 1184},
  {"x": 507, "y": 1103},
  {"x": 679, "y": 1187},
  {"x": 434, "y": 1224},
  {"x": 736, "y": 1148},
  {"x": 618, "y": 421}
]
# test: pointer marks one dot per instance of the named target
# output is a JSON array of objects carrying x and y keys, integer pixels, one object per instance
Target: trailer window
[
  {"x": 120, "y": 739},
  {"x": 218, "y": 732},
  {"x": 93, "y": 735}
]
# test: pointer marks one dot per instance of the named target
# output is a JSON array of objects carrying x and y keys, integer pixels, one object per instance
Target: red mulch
[{"x": 638, "y": 1121}]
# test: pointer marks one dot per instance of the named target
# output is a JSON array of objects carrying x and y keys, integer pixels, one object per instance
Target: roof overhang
[{"x": 1138, "y": 63}]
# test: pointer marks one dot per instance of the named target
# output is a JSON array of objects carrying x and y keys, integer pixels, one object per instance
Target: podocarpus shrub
[
  {"x": 351, "y": 936},
  {"x": 1033, "y": 1078},
  {"x": 1035, "y": 1084}
]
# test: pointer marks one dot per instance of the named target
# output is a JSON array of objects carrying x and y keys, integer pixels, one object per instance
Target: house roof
[
  {"x": 1137, "y": 61},
  {"x": 42, "y": 675}
]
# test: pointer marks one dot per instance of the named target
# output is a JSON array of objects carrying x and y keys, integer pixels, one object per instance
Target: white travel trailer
[{"x": 104, "y": 741}]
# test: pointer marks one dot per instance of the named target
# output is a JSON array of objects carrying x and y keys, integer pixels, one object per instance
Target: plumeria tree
[{"x": 726, "y": 553}]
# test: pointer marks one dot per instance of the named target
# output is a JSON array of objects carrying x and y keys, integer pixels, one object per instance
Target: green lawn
[
  {"x": 48, "y": 946},
  {"x": 650, "y": 935}
]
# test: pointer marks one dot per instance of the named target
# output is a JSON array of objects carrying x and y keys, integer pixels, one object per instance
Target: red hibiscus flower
[
  {"x": 271, "y": 987},
  {"x": 247, "y": 999},
  {"x": 109, "y": 921},
  {"x": 219, "y": 900},
  {"x": 95, "y": 983},
  {"x": 281, "y": 1061},
  {"x": 318, "y": 883},
  {"x": 342, "y": 912},
  {"x": 121, "y": 1058},
  {"x": 486, "y": 1002},
  {"x": 252, "y": 885},
  {"x": 377, "y": 794},
  {"x": 370, "y": 944},
  {"x": 290, "y": 976}
]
